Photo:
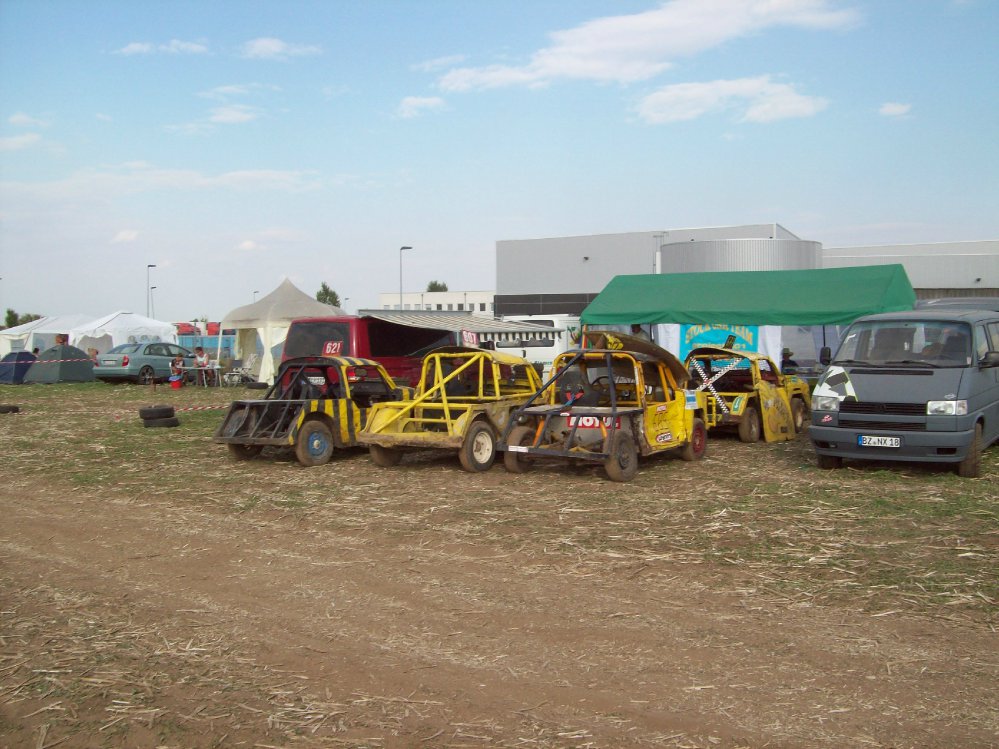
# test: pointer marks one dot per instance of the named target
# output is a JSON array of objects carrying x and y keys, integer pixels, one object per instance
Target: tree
[
  {"x": 326, "y": 295},
  {"x": 12, "y": 319},
  {"x": 436, "y": 286}
]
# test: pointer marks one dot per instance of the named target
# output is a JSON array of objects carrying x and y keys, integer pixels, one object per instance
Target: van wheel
[
  {"x": 798, "y": 414},
  {"x": 622, "y": 463},
  {"x": 314, "y": 443},
  {"x": 829, "y": 462},
  {"x": 749, "y": 426},
  {"x": 697, "y": 445},
  {"x": 519, "y": 462},
  {"x": 970, "y": 467},
  {"x": 386, "y": 457},
  {"x": 478, "y": 451}
]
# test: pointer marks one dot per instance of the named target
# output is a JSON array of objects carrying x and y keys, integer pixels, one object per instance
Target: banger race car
[
  {"x": 315, "y": 405},
  {"x": 464, "y": 400},
  {"x": 746, "y": 391},
  {"x": 609, "y": 402}
]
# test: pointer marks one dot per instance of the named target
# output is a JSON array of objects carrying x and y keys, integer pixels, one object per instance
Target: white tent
[
  {"x": 264, "y": 324},
  {"x": 117, "y": 328},
  {"x": 38, "y": 333}
]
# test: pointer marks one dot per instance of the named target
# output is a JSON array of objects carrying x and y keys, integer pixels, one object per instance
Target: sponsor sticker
[{"x": 664, "y": 437}]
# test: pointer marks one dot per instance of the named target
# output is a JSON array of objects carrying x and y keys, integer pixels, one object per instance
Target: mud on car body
[
  {"x": 464, "y": 400},
  {"x": 609, "y": 402},
  {"x": 316, "y": 405},
  {"x": 746, "y": 391}
]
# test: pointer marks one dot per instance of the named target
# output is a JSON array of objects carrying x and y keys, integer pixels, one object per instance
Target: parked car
[
  {"x": 143, "y": 363},
  {"x": 747, "y": 392},
  {"x": 463, "y": 402},
  {"x": 607, "y": 403},
  {"x": 316, "y": 406}
]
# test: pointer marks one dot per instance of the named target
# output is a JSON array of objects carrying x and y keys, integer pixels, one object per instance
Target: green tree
[
  {"x": 12, "y": 319},
  {"x": 326, "y": 295},
  {"x": 436, "y": 286}
]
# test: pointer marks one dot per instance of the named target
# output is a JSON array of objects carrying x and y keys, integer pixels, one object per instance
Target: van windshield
[
  {"x": 927, "y": 343},
  {"x": 317, "y": 338}
]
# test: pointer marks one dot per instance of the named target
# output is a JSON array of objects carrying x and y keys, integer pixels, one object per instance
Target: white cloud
[
  {"x": 438, "y": 63},
  {"x": 233, "y": 114},
  {"x": 761, "y": 100},
  {"x": 237, "y": 90},
  {"x": 104, "y": 117},
  {"x": 19, "y": 142},
  {"x": 20, "y": 119},
  {"x": 268, "y": 48},
  {"x": 248, "y": 245},
  {"x": 125, "y": 236},
  {"x": 414, "y": 106},
  {"x": 173, "y": 47},
  {"x": 625, "y": 49},
  {"x": 894, "y": 109}
]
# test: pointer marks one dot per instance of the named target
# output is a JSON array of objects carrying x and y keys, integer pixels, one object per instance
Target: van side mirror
[
  {"x": 825, "y": 356},
  {"x": 991, "y": 359}
]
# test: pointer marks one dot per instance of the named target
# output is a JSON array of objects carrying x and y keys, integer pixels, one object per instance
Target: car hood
[{"x": 890, "y": 384}]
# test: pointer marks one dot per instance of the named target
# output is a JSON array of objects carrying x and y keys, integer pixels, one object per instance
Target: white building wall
[{"x": 445, "y": 301}]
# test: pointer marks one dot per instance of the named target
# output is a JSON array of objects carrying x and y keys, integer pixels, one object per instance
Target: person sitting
[
  {"x": 203, "y": 361},
  {"x": 639, "y": 332},
  {"x": 177, "y": 369}
]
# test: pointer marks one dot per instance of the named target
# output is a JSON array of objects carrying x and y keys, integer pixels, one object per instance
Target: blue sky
[{"x": 233, "y": 144}]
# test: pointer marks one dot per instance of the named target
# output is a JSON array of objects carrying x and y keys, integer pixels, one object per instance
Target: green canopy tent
[{"x": 827, "y": 296}]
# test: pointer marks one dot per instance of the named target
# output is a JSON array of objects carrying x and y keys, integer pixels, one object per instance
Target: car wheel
[
  {"x": 478, "y": 451},
  {"x": 749, "y": 426},
  {"x": 697, "y": 445},
  {"x": 156, "y": 412},
  {"x": 622, "y": 463},
  {"x": 147, "y": 375},
  {"x": 516, "y": 462},
  {"x": 798, "y": 414},
  {"x": 244, "y": 452},
  {"x": 970, "y": 467},
  {"x": 386, "y": 457},
  {"x": 173, "y": 421},
  {"x": 314, "y": 444},
  {"x": 829, "y": 462}
]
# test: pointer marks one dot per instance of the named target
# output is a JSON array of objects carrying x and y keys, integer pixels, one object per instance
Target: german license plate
[{"x": 867, "y": 440}]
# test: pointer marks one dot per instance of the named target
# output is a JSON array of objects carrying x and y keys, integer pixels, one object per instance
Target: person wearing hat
[{"x": 786, "y": 361}]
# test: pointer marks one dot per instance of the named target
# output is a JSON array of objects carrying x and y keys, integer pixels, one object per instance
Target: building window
[
  {"x": 450, "y": 307},
  {"x": 440, "y": 307},
  {"x": 482, "y": 306},
  {"x": 461, "y": 307}
]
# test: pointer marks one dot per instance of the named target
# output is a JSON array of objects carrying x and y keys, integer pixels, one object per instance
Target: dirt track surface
[{"x": 135, "y": 619}]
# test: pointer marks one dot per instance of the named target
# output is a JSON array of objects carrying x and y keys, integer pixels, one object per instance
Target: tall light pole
[
  {"x": 658, "y": 237},
  {"x": 149, "y": 294},
  {"x": 255, "y": 296},
  {"x": 407, "y": 247},
  {"x": 152, "y": 302}
]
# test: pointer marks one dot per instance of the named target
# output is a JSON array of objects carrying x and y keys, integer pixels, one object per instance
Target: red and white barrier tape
[
  {"x": 201, "y": 408},
  {"x": 59, "y": 361}
]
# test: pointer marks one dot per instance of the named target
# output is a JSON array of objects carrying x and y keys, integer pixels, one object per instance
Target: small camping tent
[
  {"x": 264, "y": 324},
  {"x": 14, "y": 366},
  {"x": 39, "y": 333},
  {"x": 117, "y": 328},
  {"x": 61, "y": 364}
]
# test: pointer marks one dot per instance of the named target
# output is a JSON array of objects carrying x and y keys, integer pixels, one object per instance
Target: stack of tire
[
  {"x": 158, "y": 416},
  {"x": 9, "y": 409}
]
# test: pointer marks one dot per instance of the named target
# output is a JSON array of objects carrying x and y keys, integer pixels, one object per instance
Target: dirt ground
[{"x": 136, "y": 617}]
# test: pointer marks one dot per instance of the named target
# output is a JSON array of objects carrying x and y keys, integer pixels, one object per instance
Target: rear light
[
  {"x": 124, "y": 360},
  {"x": 356, "y": 374}
]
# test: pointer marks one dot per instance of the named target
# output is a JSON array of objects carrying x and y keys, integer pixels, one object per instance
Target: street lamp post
[
  {"x": 255, "y": 296},
  {"x": 149, "y": 294},
  {"x": 407, "y": 247},
  {"x": 152, "y": 302}
]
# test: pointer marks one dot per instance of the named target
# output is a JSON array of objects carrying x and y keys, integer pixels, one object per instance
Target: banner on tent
[{"x": 747, "y": 337}]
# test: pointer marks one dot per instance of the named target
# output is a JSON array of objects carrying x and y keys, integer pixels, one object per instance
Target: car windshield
[
  {"x": 929, "y": 343},
  {"x": 125, "y": 348}
]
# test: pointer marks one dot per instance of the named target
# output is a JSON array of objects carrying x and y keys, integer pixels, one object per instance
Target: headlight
[
  {"x": 825, "y": 403},
  {"x": 947, "y": 408}
]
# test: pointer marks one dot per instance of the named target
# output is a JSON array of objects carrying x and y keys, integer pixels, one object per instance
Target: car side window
[
  {"x": 656, "y": 389},
  {"x": 156, "y": 349}
]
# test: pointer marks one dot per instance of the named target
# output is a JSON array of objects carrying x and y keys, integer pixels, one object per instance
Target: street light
[
  {"x": 407, "y": 247},
  {"x": 149, "y": 294},
  {"x": 255, "y": 296},
  {"x": 152, "y": 302}
]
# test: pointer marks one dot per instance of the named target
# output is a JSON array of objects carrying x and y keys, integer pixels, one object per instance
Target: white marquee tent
[
  {"x": 117, "y": 328},
  {"x": 264, "y": 324},
  {"x": 38, "y": 333}
]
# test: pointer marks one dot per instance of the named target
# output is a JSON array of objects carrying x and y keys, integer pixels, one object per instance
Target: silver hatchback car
[{"x": 143, "y": 363}]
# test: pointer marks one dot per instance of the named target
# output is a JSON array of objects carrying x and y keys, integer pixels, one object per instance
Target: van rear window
[{"x": 317, "y": 339}]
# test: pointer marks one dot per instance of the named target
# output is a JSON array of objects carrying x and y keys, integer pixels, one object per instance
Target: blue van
[{"x": 911, "y": 386}]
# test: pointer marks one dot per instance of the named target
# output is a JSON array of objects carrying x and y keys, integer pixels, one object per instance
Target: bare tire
[
  {"x": 622, "y": 463},
  {"x": 8, "y": 409},
  {"x": 244, "y": 452},
  {"x": 156, "y": 412},
  {"x": 798, "y": 414},
  {"x": 749, "y": 426},
  {"x": 697, "y": 445},
  {"x": 478, "y": 451},
  {"x": 970, "y": 467},
  {"x": 147, "y": 375},
  {"x": 173, "y": 421},
  {"x": 829, "y": 462},
  {"x": 314, "y": 443},
  {"x": 386, "y": 457},
  {"x": 516, "y": 462}
]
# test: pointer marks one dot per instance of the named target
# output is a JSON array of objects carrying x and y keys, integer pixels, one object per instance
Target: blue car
[{"x": 144, "y": 363}]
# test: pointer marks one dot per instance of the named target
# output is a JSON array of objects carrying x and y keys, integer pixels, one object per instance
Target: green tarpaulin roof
[{"x": 828, "y": 296}]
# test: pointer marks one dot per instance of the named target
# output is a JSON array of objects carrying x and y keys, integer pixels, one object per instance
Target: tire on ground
[
  {"x": 244, "y": 452},
  {"x": 6, "y": 408},
  {"x": 478, "y": 451},
  {"x": 697, "y": 444},
  {"x": 256, "y": 386},
  {"x": 622, "y": 463},
  {"x": 156, "y": 412},
  {"x": 386, "y": 457},
  {"x": 314, "y": 443},
  {"x": 749, "y": 425},
  {"x": 172, "y": 421},
  {"x": 516, "y": 462}
]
